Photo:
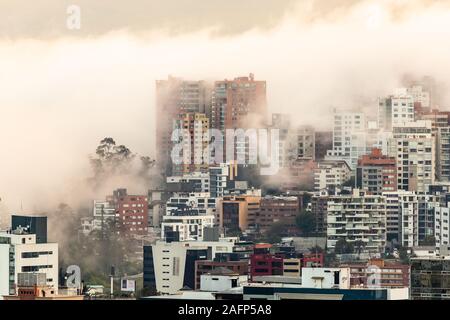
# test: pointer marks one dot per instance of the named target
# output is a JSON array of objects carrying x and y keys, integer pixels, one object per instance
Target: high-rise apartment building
[
  {"x": 239, "y": 212},
  {"x": 277, "y": 210},
  {"x": 396, "y": 203},
  {"x": 331, "y": 174},
  {"x": 376, "y": 173},
  {"x": 299, "y": 144},
  {"x": 349, "y": 137},
  {"x": 443, "y": 154},
  {"x": 239, "y": 103},
  {"x": 194, "y": 157},
  {"x": 395, "y": 109},
  {"x": 131, "y": 213},
  {"x": 175, "y": 96},
  {"x": 413, "y": 146},
  {"x": 319, "y": 211},
  {"x": 358, "y": 217}
]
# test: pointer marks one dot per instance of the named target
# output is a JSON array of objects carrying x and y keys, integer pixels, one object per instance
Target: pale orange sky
[{"x": 62, "y": 91}]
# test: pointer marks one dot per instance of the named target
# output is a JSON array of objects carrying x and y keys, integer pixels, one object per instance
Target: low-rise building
[
  {"x": 19, "y": 253},
  {"x": 239, "y": 267},
  {"x": 376, "y": 173},
  {"x": 379, "y": 273},
  {"x": 430, "y": 277},
  {"x": 170, "y": 266}
]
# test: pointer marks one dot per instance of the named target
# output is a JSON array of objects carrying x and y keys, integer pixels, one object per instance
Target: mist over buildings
[{"x": 63, "y": 91}]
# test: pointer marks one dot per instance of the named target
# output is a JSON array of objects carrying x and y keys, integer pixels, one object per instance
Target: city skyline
[
  {"x": 111, "y": 73},
  {"x": 211, "y": 150}
]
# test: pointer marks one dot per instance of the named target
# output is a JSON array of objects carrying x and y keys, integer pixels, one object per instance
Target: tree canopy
[{"x": 306, "y": 223}]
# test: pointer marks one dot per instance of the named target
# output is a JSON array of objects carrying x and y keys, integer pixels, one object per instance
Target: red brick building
[
  {"x": 277, "y": 210},
  {"x": 131, "y": 213},
  {"x": 382, "y": 273},
  {"x": 312, "y": 260},
  {"x": 263, "y": 263},
  {"x": 376, "y": 173},
  {"x": 236, "y": 103}
]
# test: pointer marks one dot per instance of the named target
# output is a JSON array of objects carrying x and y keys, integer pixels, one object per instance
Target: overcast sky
[{"x": 63, "y": 90}]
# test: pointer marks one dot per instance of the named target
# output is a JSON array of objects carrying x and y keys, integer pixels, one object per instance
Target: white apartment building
[
  {"x": 190, "y": 228},
  {"x": 103, "y": 216},
  {"x": 331, "y": 174},
  {"x": 443, "y": 154},
  {"x": 172, "y": 262},
  {"x": 409, "y": 220},
  {"x": 193, "y": 129},
  {"x": 299, "y": 145},
  {"x": 357, "y": 217},
  {"x": 200, "y": 182},
  {"x": 421, "y": 217},
  {"x": 326, "y": 278},
  {"x": 219, "y": 176},
  {"x": 19, "y": 253},
  {"x": 349, "y": 137},
  {"x": 395, "y": 109},
  {"x": 441, "y": 226},
  {"x": 413, "y": 146},
  {"x": 218, "y": 282},
  {"x": 420, "y": 95},
  {"x": 394, "y": 207},
  {"x": 189, "y": 214}
]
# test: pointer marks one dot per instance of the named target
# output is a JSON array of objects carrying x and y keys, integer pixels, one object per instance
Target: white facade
[
  {"x": 299, "y": 145},
  {"x": 5, "y": 270},
  {"x": 349, "y": 138},
  {"x": 409, "y": 220},
  {"x": 200, "y": 202},
  {"x": 420, "y": 95},
  {"x": 189, "y": 214},
  {"x": 443, "y": 154},
  {"x": 217, "y": 283},
  {"x": 189, "y": 227},
  {"x": 169, "y": 261},
  {"x": 104, "y": 214},
  {"x": 326, "y": 278},
  {"x": 394, "y": 209},
  {"x": 218, "y": 179},
  {"x": 331, "y": 174},
  {"x": 21, "y": 254},
  {"x": 441, "y": 226},
  {"x": 357, "y": 217},
  {"x": 413, "y": 146},
  {"x": 200, "y": 180},
  {"x": 395, "y": 109}
]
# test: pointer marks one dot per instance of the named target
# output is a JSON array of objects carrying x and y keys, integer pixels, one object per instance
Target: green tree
[
  {"x": 343, "y": 247},
  {"x": 275, "y": 232},
  {"x": 359, "y": 246},
  {"x": 306, "y": 223},
  {"x": 111, "y": 160}
]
